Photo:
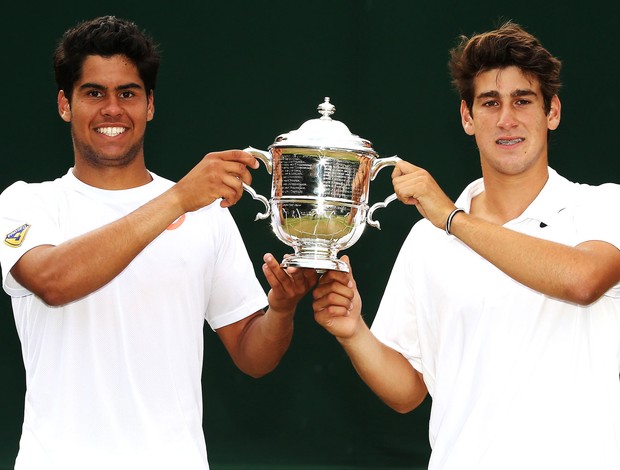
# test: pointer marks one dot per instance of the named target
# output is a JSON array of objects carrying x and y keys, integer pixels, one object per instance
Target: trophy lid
[{"x": 324, "y": 132}]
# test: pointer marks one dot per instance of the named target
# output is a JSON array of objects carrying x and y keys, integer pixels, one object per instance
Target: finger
[
  {"x": 325, "y": 311},
  {"x": 245, "y": 158},
  {"x": 227, "y": 178},
  {"x": 335, "y": 276},
  {"x": 346, "y": 259},
  {"x": 405, "y": 167},
  {"x": 302, "y": 278},
  {"x": 332, "y": 304},
  {"x": 324, "y": 316},
  {"x": 405, "y": 191},
  {"x": 272, "y": 267},
  {"x": 236, "y": 169},
  {"x": 333, "y": 292},
  {"x": 230, "y": 196},
  {"x": 311, "y": 277},
  {"x": 270, "y": 276},
  {"x": 231, "y": 190},
  {"x": 282, "y": 280}
]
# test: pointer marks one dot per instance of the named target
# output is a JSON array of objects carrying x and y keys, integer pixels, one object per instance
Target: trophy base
[{"x": 319, "y": 264}]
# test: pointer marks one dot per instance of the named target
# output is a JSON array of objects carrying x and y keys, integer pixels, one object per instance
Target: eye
[
  {"x": 489, "y": 103},
  {"x": 94, "y": 93},
  {"x": 127, "y": 94},
  {"x": 522, "y": 102}
]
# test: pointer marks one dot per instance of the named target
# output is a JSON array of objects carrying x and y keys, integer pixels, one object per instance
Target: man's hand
[
  {"x": 337, "y": 304},
  {"x": 415, "y": 186},
  {"x": 217, "y": 175},
  {"x": 288, "y": 286}
]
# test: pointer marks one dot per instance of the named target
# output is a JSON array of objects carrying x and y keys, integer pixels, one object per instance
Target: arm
[
  {"x": 578, "y": 274},
  {"x": 258, "y": 342},
  {"x": 77, "y": 267},
  {"x": 337, "y": 307}
]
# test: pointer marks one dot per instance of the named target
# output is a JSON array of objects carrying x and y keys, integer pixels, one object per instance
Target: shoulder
[
  {"x": 214, "y": 221},
  {"x": 580, "y": 200},
  {"x": 20, "y": 191},
  {"x": 161, "y": 181},
  {"x": 424, "y": 229},
  {"x": 602, "y": 191},
  {"x": 15, "y": 189},
  {"x": 422, "y": 237}
]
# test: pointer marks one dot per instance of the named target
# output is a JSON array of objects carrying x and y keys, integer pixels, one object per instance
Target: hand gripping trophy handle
[
  {"x": 264, "y": 157},
  {"x": 377, "y": 166}
]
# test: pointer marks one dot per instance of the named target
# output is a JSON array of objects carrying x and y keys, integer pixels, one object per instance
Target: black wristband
[{"x": 450, "y": 217}]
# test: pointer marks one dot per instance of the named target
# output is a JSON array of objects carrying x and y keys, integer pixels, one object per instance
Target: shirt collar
[{"x": 551, "y": 199}]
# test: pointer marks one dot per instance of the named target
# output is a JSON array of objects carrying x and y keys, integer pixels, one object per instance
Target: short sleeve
[
  {"x": 27, "y": 220},
  {"x": 236, "y": 292},
  {"x": 395, "y": 324},
  {"x": 597, "y": 219},
  {"x": 597, "y": 214}
]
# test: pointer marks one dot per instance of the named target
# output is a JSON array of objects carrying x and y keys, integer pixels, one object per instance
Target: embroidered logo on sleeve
[{"x": 17, "y": 236}]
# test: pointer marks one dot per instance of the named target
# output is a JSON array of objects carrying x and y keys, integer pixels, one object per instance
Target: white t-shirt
[
  {"x": 519, "y": 380},
  {"x": 113, "y": 379}
]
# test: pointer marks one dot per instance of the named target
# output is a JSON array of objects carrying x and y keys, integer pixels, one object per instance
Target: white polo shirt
[
  {"x": 113, "y": 379},
  {"x": 519, "y": 380}
]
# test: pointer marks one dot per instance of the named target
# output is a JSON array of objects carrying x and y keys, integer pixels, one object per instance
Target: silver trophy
[{"x": 320, "y": 188}]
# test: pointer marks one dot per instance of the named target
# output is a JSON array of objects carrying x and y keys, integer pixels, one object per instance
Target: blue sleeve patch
[{"x": 17, "y": 236}]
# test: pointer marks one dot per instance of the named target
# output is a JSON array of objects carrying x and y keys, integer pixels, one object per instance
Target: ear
[
  {"x": 467, "y": 120},
  {"x": 150, "y": 106},
  {"x": 64, "y": 107},
  {"x": 553, "y": 118}
]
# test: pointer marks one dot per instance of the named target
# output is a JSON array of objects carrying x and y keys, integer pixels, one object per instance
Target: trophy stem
[{"x": 310, "y": 253}]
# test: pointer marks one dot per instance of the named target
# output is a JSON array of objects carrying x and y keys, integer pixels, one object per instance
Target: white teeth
[
  {"x": 509, "y": 141},
  {"x": 111, "y": 131}
]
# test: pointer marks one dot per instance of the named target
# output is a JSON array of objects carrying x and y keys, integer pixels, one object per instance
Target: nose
[
  {"x": 507, "y": 118},
  {"x": 112, "y": 106}
]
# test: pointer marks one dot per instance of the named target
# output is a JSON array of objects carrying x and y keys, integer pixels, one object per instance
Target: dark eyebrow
[
  {"x": 514, "y": 94},
  {"x": 488, "y": 94},
  {"x": 526, "y": 92},
  {"x": 97, "y": 86}
]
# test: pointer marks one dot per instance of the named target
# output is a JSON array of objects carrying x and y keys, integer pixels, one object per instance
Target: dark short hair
[
  {"x": 104, "y": 36},
  {"x": 506, "y": 46}
]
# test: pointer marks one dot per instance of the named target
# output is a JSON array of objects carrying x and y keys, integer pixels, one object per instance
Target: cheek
[{"x": 482, "y": 129}]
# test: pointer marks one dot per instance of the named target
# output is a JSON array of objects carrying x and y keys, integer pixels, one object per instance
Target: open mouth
[
  {"x": 111, "y": 131},
  {"x": 509, "y": 141}
]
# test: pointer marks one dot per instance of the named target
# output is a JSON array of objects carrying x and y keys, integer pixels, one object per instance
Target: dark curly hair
[
  {"x": 104, "y": 36},
  {"x": 508, "y": 45}
]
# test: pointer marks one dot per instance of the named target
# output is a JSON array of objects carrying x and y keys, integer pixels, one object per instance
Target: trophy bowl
[{"x": 319, "y": 201}]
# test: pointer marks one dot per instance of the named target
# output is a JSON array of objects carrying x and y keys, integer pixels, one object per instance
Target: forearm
[
  {"x": 263, "y": 341},
  {"x": 257, "y": 343},
  {"x": 577, "y": 274},
  {"x": 388, "y": 374},
  {"x": 66, "y": 272}
]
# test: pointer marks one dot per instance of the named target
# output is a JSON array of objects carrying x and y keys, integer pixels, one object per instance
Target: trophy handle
[
  {"x": 377, "y": 166},
  {"x": 379, "y": 205},
  {"x": 381, "y": 163},
  {"x": 264, "y": 157}
]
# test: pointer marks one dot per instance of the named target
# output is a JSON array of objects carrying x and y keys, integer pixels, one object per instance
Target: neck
[
  {"x": 113, "y": 177},
  {"x": 506, "y": 197}
]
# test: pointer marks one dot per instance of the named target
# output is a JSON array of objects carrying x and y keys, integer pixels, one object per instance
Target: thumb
[{"x": 346, "y": 259}]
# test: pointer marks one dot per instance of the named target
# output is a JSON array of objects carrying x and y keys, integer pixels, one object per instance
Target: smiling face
[
  {"x": 108, "y": 113},
  {"x": 509, "y": 122}
]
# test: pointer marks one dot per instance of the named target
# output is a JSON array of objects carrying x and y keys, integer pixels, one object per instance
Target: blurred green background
[{"x": 238, "y": 73}]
